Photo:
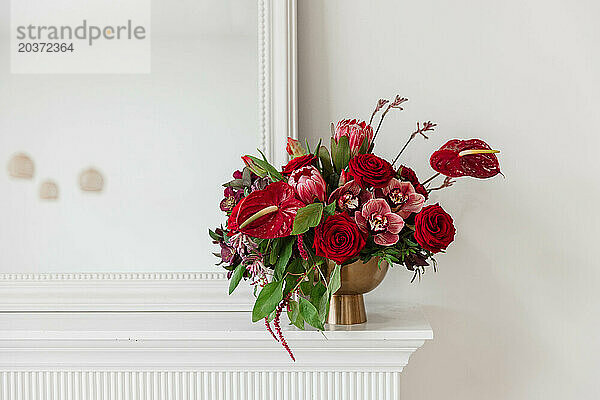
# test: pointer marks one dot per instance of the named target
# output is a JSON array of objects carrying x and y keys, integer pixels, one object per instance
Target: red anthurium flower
[
  {"x": 472, "y": 157},
  {"x": 267, "y": 213}
]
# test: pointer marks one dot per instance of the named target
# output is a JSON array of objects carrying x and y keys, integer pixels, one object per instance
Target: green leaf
[
  {"x": 236, "y": 183},
  {"x": 247, "y": 177},
  {"x": 237, "y": 276},
  {"x": 325, "y": 161},
  {"x": 271, "y": 170},
  {"x": 294, "y": 314},
  {"x": 310, "y": 314},
  {"x": 329, "y": 209},
  {"x": 317, "y": 293},
  {"x": 268, "y": 299},
  {"x": 275, "y": 251},
  {"x": 317, "y": 149},
  {"x": 323, "y": 306},
  {"x": 335, "y": 280},
  {"x": 364, "y": 146},
  {"x": 341, "y": 154},
  {"x": 284, "y": 258},
  {"x": 307, "y": 217},
  {"x": 213, "y": 235}
]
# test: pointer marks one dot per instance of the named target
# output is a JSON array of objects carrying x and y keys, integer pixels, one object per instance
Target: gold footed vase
[{"x": 347, "y": 305}]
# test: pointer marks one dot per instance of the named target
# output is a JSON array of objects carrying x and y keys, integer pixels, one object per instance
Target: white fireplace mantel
[{"x": 202, "y": 355}]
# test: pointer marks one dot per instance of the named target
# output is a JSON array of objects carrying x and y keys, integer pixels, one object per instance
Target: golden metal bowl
[{"x": 347, "y": 305}]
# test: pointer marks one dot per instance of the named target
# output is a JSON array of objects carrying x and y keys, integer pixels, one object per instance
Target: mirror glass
[{"x": 123, "y": 172}]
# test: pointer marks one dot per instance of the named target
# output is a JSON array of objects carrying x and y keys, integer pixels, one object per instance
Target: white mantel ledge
[{"x": 225, "y": 341}]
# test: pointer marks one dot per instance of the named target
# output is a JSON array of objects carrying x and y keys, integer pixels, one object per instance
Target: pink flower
[
  {"x": 402, "y": 197},
  {"x": 350, "y": 197},
  {"x": 376, "y": 218},
  {"x": 308, "y": 184},
  {"x": 357, "y": 131}
]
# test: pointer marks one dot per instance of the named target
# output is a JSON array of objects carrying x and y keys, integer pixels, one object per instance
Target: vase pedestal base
[{"x": 347, "y": 309}]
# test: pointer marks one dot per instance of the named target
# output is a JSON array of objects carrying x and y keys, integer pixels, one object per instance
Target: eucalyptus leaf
[{"x": 268, "y": 299}]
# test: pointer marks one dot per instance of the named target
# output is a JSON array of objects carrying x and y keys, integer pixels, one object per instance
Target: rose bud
[
  {"x": 294, "y": 148},
  {"x": 308, "y": 184},
  {"x": 253, "y": 166},
  {"x": 356, "y": 131}
]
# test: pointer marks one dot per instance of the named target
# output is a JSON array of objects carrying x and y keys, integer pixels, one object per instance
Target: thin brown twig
[
  {"x": 430, "y": 179},
  {"x": 427, "y": 127},
  {"x": 394, "y": 104},
  {"x": 447, "y": 183}
]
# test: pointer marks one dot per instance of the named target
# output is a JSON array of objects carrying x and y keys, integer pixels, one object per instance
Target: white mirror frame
[{"x": 180, "y": 291}]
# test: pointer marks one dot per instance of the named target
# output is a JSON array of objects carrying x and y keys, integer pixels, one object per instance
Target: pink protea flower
[
  {"x": 308, "y": 184},
  {"x": 402, "y": 197},
  {"x": 350, "y": 197},
  {"x": 376, "y": 218},
  {"x": 357, "y": 131}
]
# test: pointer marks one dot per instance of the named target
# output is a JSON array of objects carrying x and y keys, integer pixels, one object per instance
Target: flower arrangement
[{"x": 341, "y": 205}]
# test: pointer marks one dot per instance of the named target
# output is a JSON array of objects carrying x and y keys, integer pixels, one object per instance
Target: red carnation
[
  {"x": 434, "y": 228},
  {"x": 370, "y": 170},
  {"x": 407, "y": 174},
  {"x": 338, "y": 238},
  {"x": 297, "y": 163}
]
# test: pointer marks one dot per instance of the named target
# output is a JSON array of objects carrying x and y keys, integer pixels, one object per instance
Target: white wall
[{"x": 514, "y": 304}]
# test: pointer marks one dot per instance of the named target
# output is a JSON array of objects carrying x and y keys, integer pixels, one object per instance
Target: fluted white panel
[{"x": 198, "y": 385}]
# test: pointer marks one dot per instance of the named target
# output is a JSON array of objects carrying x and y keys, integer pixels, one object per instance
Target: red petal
[
  {"x": 448, "y": 162},
  {"x": 273, "y": 225}
]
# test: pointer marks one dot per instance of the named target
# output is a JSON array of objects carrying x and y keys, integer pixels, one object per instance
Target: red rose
[
  {"x": 434, "y": 228},
  {"x": 297, "y": 162},
  {"x": 370, "y": 170},
  {"x": 338, "y": 238},
  {"x": 407, "y": 174}
]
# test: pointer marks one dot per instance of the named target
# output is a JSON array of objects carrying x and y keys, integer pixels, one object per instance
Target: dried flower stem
[
  {"x": 447, "y": 183},
  {"x": 395, "y": 104},
  {"x": 427, "y": 127},
  {"x": 430, "y": 179}
]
